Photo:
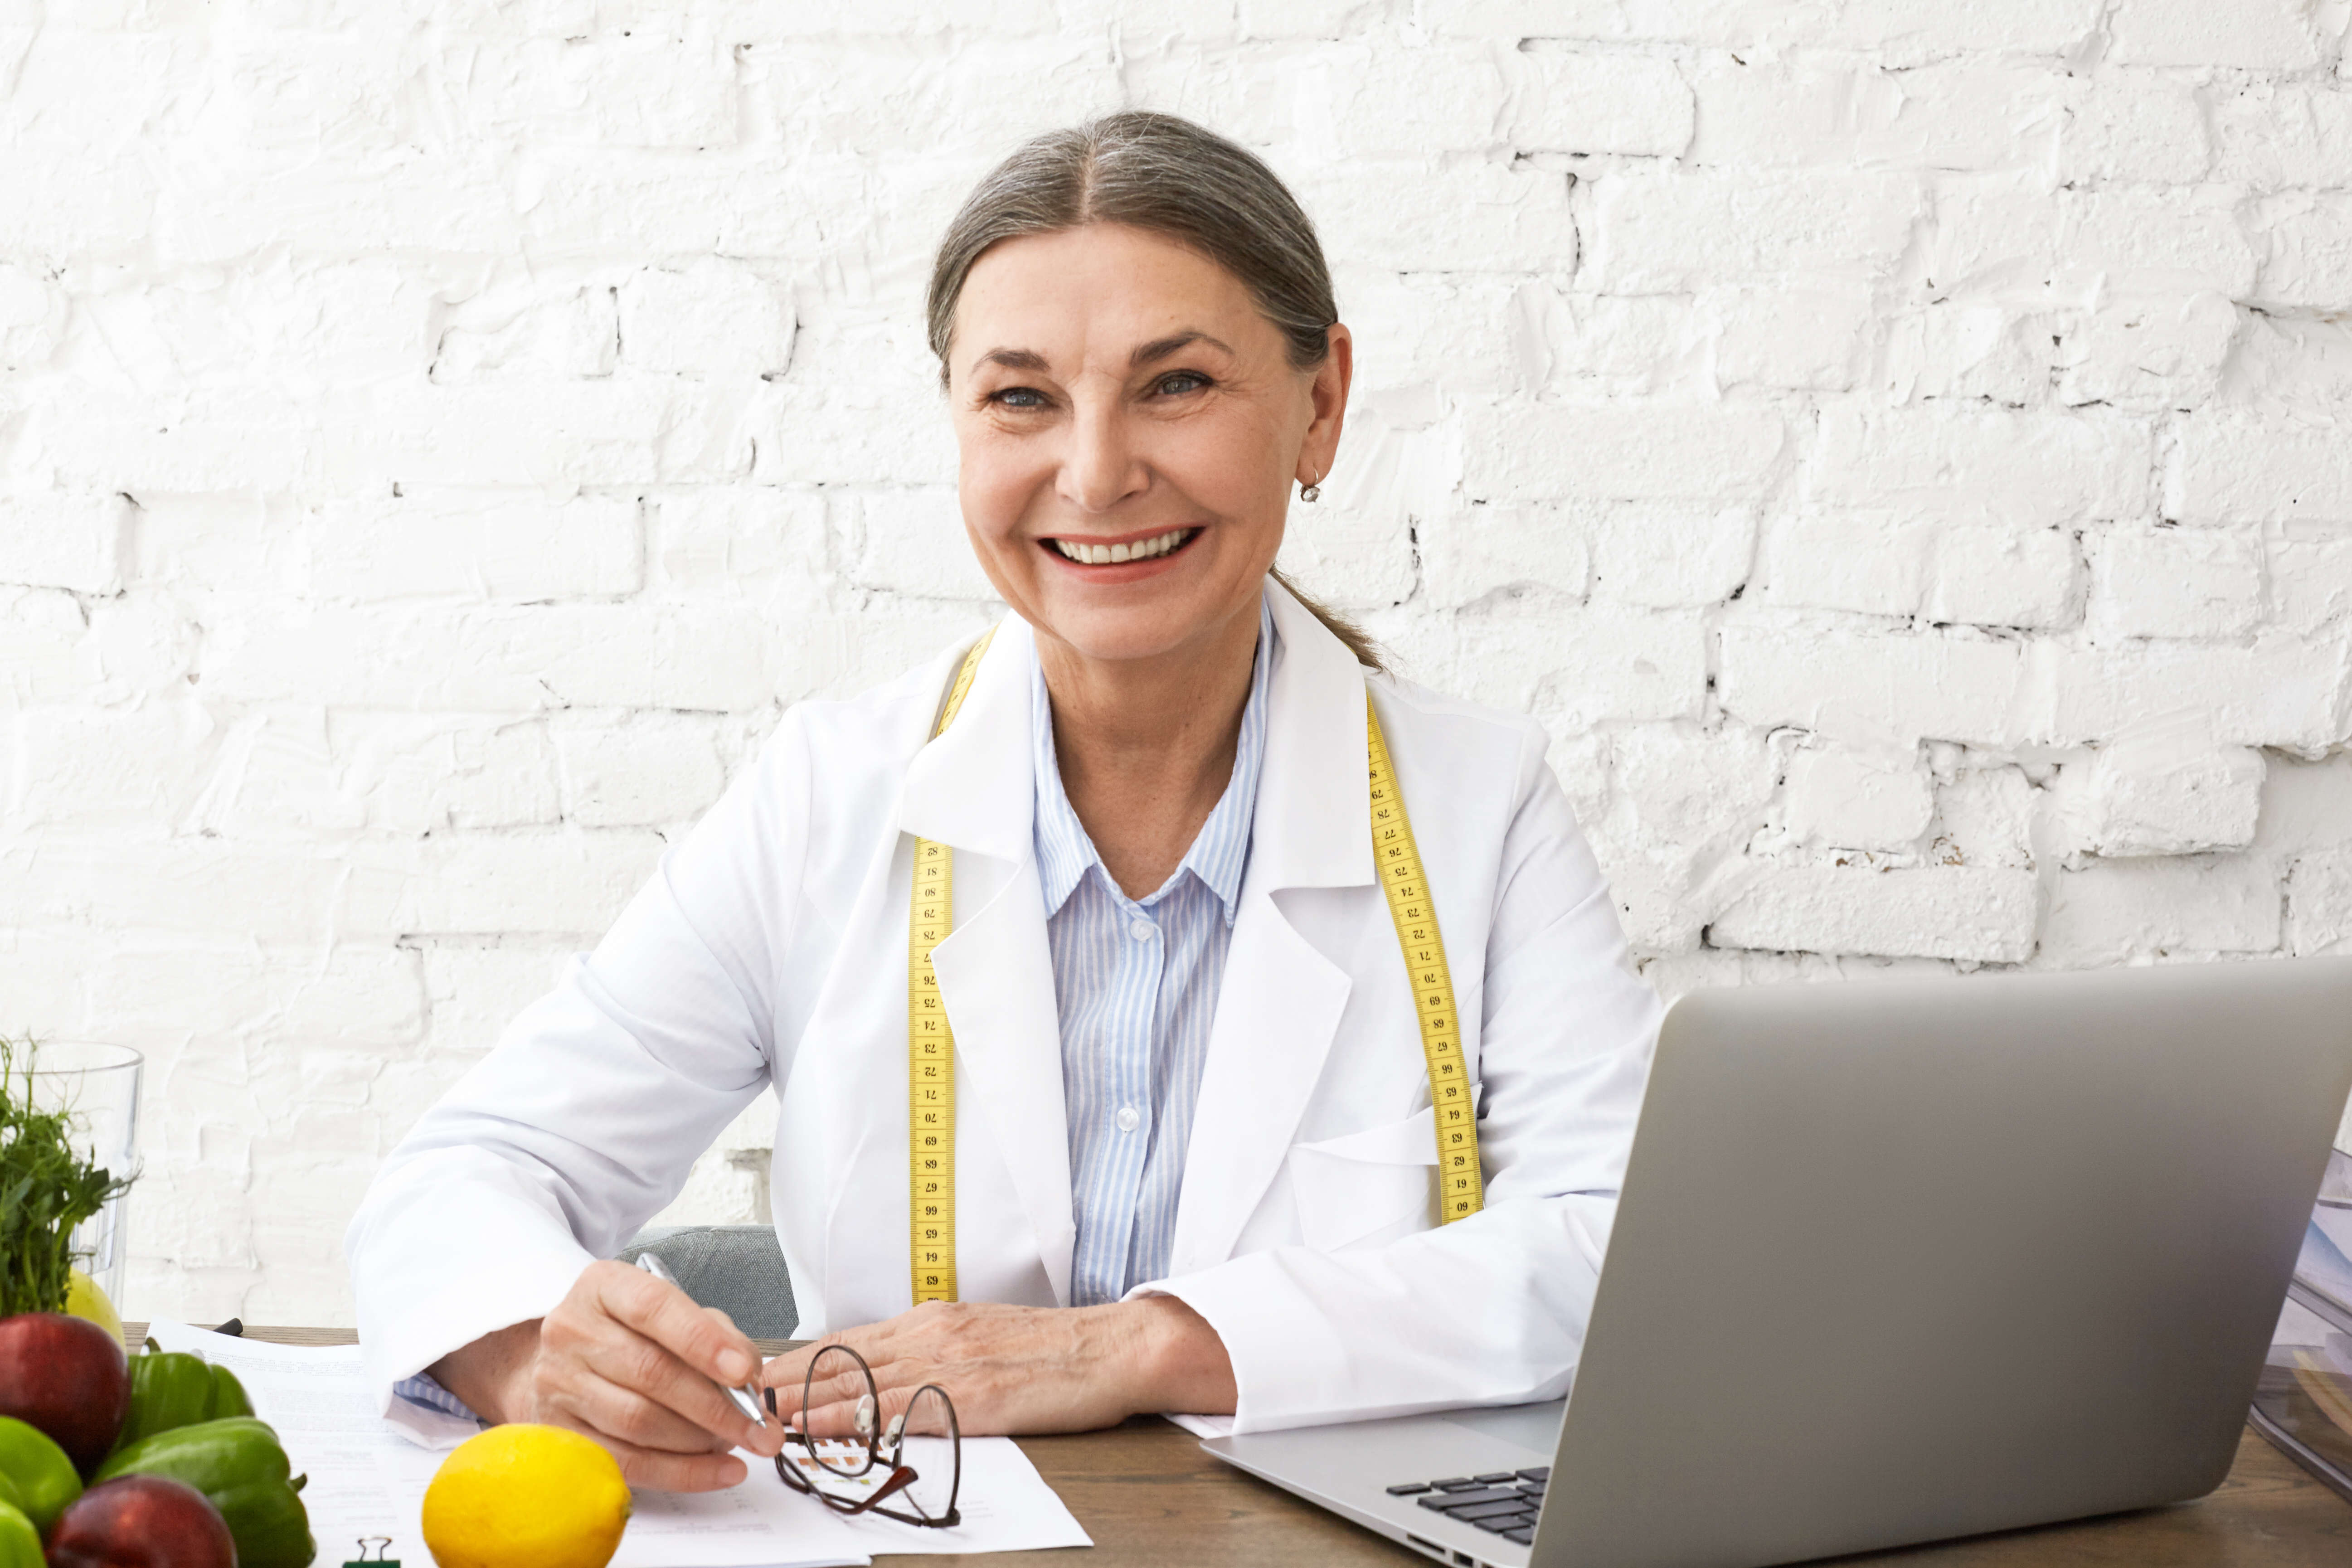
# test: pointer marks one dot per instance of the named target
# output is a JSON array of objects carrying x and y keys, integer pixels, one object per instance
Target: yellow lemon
[
  {"x": 526, "y": 1496},
  {"x": 85, "y": 1300}
]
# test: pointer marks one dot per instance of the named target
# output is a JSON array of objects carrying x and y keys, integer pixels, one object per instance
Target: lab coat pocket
[{"x": 1368, "y": 1187}]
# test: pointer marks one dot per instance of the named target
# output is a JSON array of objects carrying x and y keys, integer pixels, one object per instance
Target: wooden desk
[{"x": 1147, "y": 1495}]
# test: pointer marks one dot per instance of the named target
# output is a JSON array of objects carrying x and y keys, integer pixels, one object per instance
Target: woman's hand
[
  {"x": 1024, "y": 1369},
  {"x": 633, "y": 1362}
]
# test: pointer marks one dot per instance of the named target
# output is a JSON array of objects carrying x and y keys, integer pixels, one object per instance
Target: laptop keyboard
[{"x": 1501, "y": 1502}]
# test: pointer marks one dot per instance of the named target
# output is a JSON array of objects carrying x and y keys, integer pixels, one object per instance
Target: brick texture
[{"x": 1899, "y": 448}]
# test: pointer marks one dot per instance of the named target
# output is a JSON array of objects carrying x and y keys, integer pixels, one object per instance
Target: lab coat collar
[
  {"x": 973, "y": 788},
  {"x": 1315, "y": 796}
]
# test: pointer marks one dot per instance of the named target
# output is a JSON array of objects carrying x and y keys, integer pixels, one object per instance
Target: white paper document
[
  {"x": 368, "y": 1479},
  {"x": 1003, "y": 1504},
  {"x": 316, "y": 1398}
]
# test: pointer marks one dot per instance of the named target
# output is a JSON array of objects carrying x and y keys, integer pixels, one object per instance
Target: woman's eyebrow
[
  {"x": 1161, "y": 348},
  {"x": 1012, "y": 359}
]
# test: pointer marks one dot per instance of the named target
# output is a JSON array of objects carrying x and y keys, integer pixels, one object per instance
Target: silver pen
[{"x": 746, "y": 1398}]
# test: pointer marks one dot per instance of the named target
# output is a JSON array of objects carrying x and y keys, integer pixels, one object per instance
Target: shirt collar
[{"x": 1219, "y": 854}]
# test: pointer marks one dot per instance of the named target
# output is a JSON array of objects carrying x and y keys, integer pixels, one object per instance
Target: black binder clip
[{"x": 382, "y": 1543}]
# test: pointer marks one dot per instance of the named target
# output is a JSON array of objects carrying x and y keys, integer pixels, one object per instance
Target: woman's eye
[
  {"x": 1018, "y": 397},
  {"x": 1180, "y": 384}
]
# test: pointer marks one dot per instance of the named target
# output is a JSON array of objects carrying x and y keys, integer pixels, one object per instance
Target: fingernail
[{"x": 735, "y": 1366}]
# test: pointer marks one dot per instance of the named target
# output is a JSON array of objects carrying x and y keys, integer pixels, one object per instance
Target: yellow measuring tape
[
  {"x": 1460, "y": 1189},
  {"x": 931, "y": 1043},
  {"x": 930, "y": 1049}
]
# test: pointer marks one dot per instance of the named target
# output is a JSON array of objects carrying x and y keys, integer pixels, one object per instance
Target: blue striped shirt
[
  {"x": 425, "y": 1389},
  {"x": 1135, "y": 985}
]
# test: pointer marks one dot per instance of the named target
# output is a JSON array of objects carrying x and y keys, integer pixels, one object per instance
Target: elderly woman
[{"x": 1107, "y": 969}]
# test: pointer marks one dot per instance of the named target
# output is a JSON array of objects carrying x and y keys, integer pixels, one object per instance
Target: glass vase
[{"x": 98, "y": 1088}]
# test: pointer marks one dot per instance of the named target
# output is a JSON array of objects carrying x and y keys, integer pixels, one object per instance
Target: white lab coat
[{"x": 771, "y": 947}]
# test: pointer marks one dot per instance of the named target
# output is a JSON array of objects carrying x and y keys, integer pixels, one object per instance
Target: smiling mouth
[{"x": 1111, "y": 554}]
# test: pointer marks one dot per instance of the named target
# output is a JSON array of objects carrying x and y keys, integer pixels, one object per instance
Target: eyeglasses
[{"x": 859, "y": 1474}]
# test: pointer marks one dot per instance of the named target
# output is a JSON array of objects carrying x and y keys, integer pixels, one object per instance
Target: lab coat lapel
[
  {"x": 1281, "y": 999},
  {"x": 974, "y": 789}
]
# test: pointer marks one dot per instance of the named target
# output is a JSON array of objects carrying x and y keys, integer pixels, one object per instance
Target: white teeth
[{"x": 1106, "y": 554}]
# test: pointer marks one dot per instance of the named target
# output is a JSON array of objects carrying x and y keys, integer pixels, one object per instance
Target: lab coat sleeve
[
  {"x": 585, "y": 1119},
  {"x": 1490, "y": 1310}
]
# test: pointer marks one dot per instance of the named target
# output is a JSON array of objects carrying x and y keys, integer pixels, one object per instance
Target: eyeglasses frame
[{"x": 901, "y": 1476}]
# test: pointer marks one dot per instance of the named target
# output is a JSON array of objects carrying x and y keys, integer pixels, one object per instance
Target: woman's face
[{"x": 1130, "y": 429}]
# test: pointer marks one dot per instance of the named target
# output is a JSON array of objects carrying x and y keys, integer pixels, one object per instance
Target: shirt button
[
  {"x": 1127, "y": 1118},
  {"x": 1143, "y": 930}
]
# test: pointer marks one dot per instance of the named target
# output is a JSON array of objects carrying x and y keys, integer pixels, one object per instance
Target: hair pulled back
[
  {"x": 1158, "y": 172},
  {"x": 1166, "y": 175}
]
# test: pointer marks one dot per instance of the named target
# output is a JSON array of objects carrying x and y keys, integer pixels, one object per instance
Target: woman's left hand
[{"x": 1024, "y": 1369}]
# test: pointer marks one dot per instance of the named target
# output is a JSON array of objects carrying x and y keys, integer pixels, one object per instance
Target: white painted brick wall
[{"x": 1902, "y": 449}]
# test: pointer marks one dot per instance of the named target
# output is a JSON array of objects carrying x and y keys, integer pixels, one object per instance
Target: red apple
[
  {"x": 67, "y": 1377},
  {"x": 142, "y": 1522}
]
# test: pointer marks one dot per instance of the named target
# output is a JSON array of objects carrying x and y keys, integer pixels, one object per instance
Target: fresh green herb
[{"x": 46, "y": 1188}]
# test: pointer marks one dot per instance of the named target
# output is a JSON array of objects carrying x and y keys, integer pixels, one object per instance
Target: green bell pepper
[
  {"x": 38, "y": 1469},
  {"x": 171, "y": 1388},
  {"x": 238, "y": 1464},
  {"x": 20, "y": 1543},
  {"x": 228, "y": 1397}
]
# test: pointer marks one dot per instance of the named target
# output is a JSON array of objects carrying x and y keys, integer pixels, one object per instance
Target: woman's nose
[{"x": 1101, "y": 468}]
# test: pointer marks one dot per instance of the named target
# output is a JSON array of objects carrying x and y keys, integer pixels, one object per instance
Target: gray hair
[
  {"x": 1158, "y": 172},
  {"x": 1169, "y": 176}
]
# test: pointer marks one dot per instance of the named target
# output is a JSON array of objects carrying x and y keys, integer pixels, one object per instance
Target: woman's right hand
[{"x": 631, "y": 1361}]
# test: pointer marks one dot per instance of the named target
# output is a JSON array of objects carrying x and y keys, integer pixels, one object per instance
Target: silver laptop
[{"x": 1897, "y": 1261}]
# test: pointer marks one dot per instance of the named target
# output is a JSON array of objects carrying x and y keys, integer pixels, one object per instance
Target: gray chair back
[{"x": 738, "y": 1269}]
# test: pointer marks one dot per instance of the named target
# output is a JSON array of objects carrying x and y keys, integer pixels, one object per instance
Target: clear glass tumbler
[{"x": 98, "y": 1086}]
